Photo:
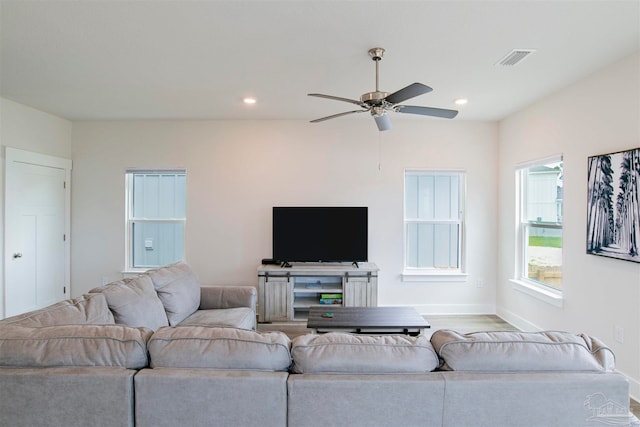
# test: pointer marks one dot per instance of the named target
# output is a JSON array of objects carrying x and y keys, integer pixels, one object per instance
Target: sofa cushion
[
  {"x": 134, "y": 302},
  {"x": 241, "y": 317},
  {"x": 86, "y": 309},
  {"x": 506, "y": 351},
  {"x": 337, "y": 352},
  {"x": 179, "y": 290},
  {"x": 219, "y": 348},
  {"x": 74, "y": 345}
]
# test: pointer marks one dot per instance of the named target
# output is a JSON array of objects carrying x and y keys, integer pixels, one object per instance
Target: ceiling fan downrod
[
  {"x": 375, "y": 98},
  {"x": 376, "y": 54}
]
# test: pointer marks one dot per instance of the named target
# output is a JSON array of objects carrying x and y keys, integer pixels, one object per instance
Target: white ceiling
[{"x": 87, "y": 59}]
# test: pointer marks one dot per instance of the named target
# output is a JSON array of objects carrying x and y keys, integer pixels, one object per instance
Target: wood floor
[
  {"x": 460, "y": 323},
  {"x": 635, "y": 408}
]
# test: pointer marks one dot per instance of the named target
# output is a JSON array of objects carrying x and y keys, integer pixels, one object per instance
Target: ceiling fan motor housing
[{"x": 374, "y": 98}]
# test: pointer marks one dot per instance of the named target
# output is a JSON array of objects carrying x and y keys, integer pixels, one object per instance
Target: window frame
[
  {"x": 422, "y": 274},
  {"x": 130, "y": 220},
  {"x": 521, "y": 281}
]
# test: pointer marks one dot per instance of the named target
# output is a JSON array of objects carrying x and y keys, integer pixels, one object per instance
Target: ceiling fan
[{"x": 380, "y": 103}]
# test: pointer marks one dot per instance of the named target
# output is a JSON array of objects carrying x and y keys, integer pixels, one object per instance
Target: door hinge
[
  {"x": 64, "y": 184},
  {"x": 64, "y": 237},
  {"x": 64, "y": 290}
]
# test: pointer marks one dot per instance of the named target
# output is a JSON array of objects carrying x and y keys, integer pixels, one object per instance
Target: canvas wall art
[{"x": 613, "y": 211}]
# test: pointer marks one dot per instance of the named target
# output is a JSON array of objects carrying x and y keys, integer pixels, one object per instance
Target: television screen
[{"x": 320, "y": 234}]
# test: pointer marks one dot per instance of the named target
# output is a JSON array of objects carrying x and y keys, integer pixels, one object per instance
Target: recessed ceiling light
[
  {"x": 461, "y": 101},
  {"x": 249, "y": 100}
]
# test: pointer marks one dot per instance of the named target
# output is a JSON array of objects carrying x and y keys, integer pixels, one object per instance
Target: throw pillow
[
  {"x": 134, "y": 302},
  {"x": 179, "y": 290}
]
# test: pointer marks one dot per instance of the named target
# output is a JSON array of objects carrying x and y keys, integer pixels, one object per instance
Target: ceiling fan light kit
[{"x": 379, "y": 103}]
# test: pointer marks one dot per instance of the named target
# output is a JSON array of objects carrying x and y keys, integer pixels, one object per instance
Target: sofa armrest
[{"x": 212, "y": 297}]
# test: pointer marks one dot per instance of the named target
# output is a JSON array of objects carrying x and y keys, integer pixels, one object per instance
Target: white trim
[
  {"x": 433, "y": 276},
  {"x": 160, "y": 171},
  {"x": 517, "y": 321},
  {"x": 452, "y": 309},
  {"x": 438, "y": 171},
  {"x": 29, "y": 157},
  {"x": 551, "y": 159},
  {"x": 542, "y": 293},
  {"x": 634, "y": 386},
  {"x": 521, "y": 282},
  {"x": 15, "y": 155},
  {"x": 127, "y": 274}
]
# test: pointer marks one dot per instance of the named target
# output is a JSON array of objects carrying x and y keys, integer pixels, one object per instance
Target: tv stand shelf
[{"x": 287, "y": 293}]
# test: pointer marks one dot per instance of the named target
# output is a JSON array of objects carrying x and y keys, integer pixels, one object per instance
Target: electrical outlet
[
  {"x": 105, "y": 280},
  {"x": 480, "y": 283},
  {"x": 618, "y": 334}
]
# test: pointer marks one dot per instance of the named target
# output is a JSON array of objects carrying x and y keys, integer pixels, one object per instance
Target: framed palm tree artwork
[{"x": 613, "y": 208}]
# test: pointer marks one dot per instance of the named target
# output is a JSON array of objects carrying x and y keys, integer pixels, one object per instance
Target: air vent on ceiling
[{"x": 515, "y": 57}]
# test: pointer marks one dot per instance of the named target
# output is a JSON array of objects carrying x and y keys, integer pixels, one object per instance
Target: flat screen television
[{"x": 320, "y": 234}]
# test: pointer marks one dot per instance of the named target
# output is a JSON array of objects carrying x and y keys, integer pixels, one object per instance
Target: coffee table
[{"x": 366, "y": 320}]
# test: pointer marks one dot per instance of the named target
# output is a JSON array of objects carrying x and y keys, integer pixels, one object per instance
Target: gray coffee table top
[{"x": 366, "y": 319}]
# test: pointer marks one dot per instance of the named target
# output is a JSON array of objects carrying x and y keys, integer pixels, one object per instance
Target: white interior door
[{"x": 36, "y": 230}]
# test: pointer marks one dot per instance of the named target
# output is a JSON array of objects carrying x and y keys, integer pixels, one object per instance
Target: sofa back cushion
[
  {"x": 179, "y": 290},
  {"x": 134, "y": 302},
  {"x": 86, "y": 309},
  {"x": 219, "y": 348},
  {"x": 74, "y": 345},
  {"x": 360, "y": 354},
  {"x": 506, "y": 351}
]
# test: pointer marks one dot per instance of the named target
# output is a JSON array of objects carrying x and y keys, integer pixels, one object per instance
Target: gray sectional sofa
[
  {"x": 73, "y": 363},
  {"x": 112, "y": 358}
]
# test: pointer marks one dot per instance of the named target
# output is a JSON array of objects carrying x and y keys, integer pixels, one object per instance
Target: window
[
  {"x": 433, "y": 221},
  {"x": 540, "y": 222},
  {"x": 156, "y": 217}
]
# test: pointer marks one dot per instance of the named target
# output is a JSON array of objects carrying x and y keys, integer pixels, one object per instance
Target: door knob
[{"x": 17, "y": 255}]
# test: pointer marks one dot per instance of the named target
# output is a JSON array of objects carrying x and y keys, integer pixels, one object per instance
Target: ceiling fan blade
[
  {"x": 322, "y": 119},
  {"x": 408, "y": 92},
  {"x": 383, "y": 122},
  {"x": 427, "y": 111},
  {"x": 337, "y": 98}
]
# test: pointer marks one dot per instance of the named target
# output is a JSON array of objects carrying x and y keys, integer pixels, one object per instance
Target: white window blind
[
  {"x": 433, "y": 220},
  {"x": 156, "y": 217}
]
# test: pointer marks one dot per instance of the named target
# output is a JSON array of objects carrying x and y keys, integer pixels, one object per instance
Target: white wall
[
  {"x": 238, "y": 170},
  {"x": 598, "y": 115},
  {"x": 30, "y": 130}
]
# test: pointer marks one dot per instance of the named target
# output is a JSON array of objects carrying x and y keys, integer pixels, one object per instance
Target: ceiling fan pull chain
[{"x": 379, "y": 151}]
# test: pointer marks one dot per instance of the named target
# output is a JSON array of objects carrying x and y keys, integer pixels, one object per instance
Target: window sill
[
  {"x": 133, "y": 272},
  {"x": 546, "y": 295},
  {"x": 433, "y": 276}
]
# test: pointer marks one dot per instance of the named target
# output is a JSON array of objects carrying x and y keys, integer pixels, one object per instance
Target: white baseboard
[
  {"x": 517, "y": 321},
  {"x": 451, "y": 309},
  {"x": 634, "y": 387}
]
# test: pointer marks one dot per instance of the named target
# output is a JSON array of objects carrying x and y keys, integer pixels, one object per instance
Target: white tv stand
[{"x": 287, "y": 293}]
